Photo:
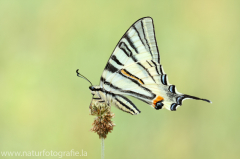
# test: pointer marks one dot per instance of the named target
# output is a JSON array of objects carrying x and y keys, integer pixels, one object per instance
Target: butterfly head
[
  {"x": 94, "y": 89},
  {"x": 91, "y": 88}
]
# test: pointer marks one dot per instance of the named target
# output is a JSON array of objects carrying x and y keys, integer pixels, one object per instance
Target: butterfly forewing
[
  {"x": 138, "y": 43},
  {"x": 134, "y": 61}
]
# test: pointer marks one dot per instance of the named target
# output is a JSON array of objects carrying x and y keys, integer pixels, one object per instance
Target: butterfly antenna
[{"x": 80, "y": 75}]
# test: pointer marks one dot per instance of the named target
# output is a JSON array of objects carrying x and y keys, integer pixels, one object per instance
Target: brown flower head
[{"x": 102, "y": 124}]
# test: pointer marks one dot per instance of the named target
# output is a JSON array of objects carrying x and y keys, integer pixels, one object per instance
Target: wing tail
[
  {"x": 185, "y": 96},
  {"x": 182, "y": 97}
]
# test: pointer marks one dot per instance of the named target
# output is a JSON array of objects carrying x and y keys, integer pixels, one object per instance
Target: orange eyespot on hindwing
[{"x": 157, "y": 102}]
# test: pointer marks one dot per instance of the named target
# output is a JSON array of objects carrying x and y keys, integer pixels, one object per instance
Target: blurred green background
[{"x": 44, "y": 105}]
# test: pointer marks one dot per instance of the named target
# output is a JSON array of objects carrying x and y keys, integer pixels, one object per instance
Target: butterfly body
[
  {"x": 102, "y": 96},
  {"x": 134, "y": 69}
]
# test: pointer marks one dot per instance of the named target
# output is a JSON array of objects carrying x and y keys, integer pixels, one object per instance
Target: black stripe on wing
[
  {"x": 111, "y": 68},
  {"x": 131, "y": 43},
  {"x": 146, "y": 71},
  {"x": 102, "y": 80},
  {"x": 156, "y": 66},
  {"x": 114, "y": 58},
  {"x": 146, "y": 39},
  {"x": 125, "y": 49},
  {"x": 118, "y": 99},
  {"x": 123, "y": 104},
  {"x": 155, "y": 40},
  {"x": 160, "y": 71},
  {"x": 149, "y": 64},
  {"x": 139, "y": 36}
]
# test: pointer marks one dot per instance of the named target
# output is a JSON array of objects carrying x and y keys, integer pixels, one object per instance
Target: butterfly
[{"x": 134, "y": 69}]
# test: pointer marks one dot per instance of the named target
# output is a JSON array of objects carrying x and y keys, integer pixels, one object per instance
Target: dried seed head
[{"x": 102, "y": 124}]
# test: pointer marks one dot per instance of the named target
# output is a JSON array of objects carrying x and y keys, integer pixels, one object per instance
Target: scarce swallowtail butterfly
[{"x": 134, "y": 69}]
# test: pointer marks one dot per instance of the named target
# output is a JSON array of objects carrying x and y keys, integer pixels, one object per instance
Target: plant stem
[{"x": 102, "y": 145}]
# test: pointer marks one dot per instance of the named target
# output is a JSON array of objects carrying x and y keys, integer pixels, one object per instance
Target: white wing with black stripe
[
  {"x": 134, "y": 69},
  {"x": 137, "y": 44}
]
